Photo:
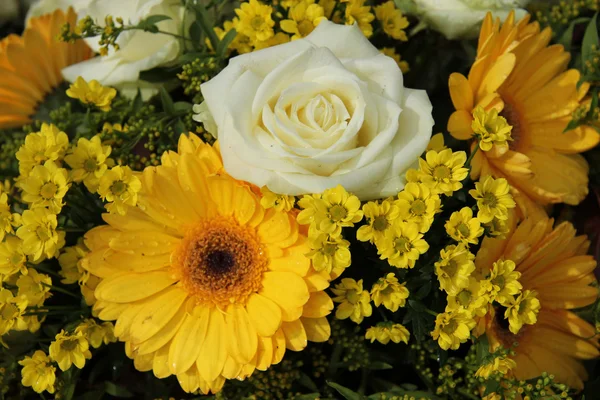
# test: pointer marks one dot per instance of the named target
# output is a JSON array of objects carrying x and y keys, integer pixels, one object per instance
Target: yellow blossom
[
  {"x": 471, "y": 298},
  {"x": 436, "y": 143},
  {"x": 38, "y": 372},
  {"x": 499, "y": 365},
  {"x": 70, "y": 267},
  {"x": 356, "y": 11},
  {"x": 384, "y": 332},
  {"x": 8, "y": 219},
  {"x": 12, "y": 258},
  {"x": 92, "y": 93},
  {"x": 47, "y": 144},
  {"x": 279, "y": 38},
  {"x": 389, "y": 292},
  {"x": 380, "y": 217},
  {"x": 453, "y": 328},
  {"x": 463, "y": 227},
  {"x": 95, "y": 333},
  {"x": 493, "y": 198},
  {"x": 280, "y": 202},
  {"x": 303, "y": 17},
  {"x": 11, "y": 311},
  {"x": 255, "y": 20},
  {"x": 46, "y": 186},
  {"x": 40, "y": 238},
  {"x": 391, "y": 52},
  {"x": 443, "y": 171},
  {"x": 329, "y": 253},
  {"x": 328, "y": 6},
  {"x": 402, "y": 245},
  {"x": 241, "y": 43},
  {"x": 418, "y": 204},
  {"x": 68, "y": 349},
  {"x": 491, "y": 130},
  {"x": 522, "y": 310},
  {"x": 392, "y": 20},
  {"x": 34, "y": 286},
  {"x": 119, "y": 187},
  {"x": 454, "y": 268},
  {"x": 497, "y": 228},
  {"x": 89, "y": 161},
  {"x": 355, "y": 302},
  {"x": 503, "y": 282}
]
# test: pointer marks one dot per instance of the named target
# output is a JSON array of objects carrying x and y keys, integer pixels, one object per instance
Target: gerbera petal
[
  {"x": 460, "y": 92},
  {"x": 160, "y": 363},
  {"x": 317, "y": 329},
  {"x": 164, "y": 335},
  {"x": 264, "y": 314},
  {"x": 318, "y": 305},
  {"x": 118, "y": 288},
  {"x": 295, "y": 335},
  {"x": 459, "y": 125},
  {"x": 241, "y": 335},
  {"x": 265, "y": 353},
  {"x": 278, "y": 346},
  {"x": 213, "y": 353},
  {"x": 188, "y": 341},
  {"x": 286, "y": 289}
]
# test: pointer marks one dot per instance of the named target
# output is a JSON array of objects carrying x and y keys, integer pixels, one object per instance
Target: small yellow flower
[
  {"x": 493, "y": 198},
  {"x": 68, "y": 349},
  {"x": 46, "y": 186},
  {"x": 391, "y": 52},
  {"x": 92, "y": 93},
  {"x": 255, "y": 20},
  {"x": 96, "y": 334},
  {"x": 119, "y": 187},
  {"x": 356, "y": 11},
  {"x": 522, "y": 310},
  {"x": 280, "y": 202},
  {"x": 70, "y": 266},
  {"x": 463, "y": 227},
  {"x": 279, "y": 38},
  {"x": 453, "y": 328},
  {"x": 436, "y": 143},
  {"x": 491, "y": 129},
  {"x": 392, "y": 20},
  {"x": 241, "y": 43},
  {"x": 328, "y": 6},
  {"x": 380, "y": 218},
  {"x": 40, "y": 238},
  {"x": 454, "y": 268},
  {"x": 503, "y": 282},
  {"x": 303, "y": 17},
  {"x": 497, "y": 228},
  {"x": 12, "y": 258},
  {"x": 47, "y": 144},
  {"x": 38, "y": 372},
  {"x": 34, "y": 286},
  {"x": 389, "y": 292},
  {"x": 417, "y": 204},
  {"x": 402, "y": 245},
  {"x": 384, "y": 332},
  {"x": 499, "y": 365},
  {"x": 329, "y": 253},
  {"x": 355, "y": 302},
  {"x": 443, "y": 171},
  {"x": 470, "y": 298},
  {"x": 11, "y": 312},
  {"x": 8, "y": 219},
  {"x": 89, "y": 161}
]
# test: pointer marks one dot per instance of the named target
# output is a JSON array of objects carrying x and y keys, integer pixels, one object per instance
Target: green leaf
[
  {"x": 379, "y": 365},
  {"x": 196, "y": 34},
  {"x": 183, "y": 106},
  {"x": 117, "y": 391},
  {"x": 149, "y": 24},
  {"x": 167, "y": 102},
  {"x": 179, "y": 127},
  {"x": 482, "y": 351},
  {"x": 589, "y": 39},
  {"x": 347, "y": 393},
  {"x": 567, "y": 37},
  {"x": 225, "y": 42},
  {"x": 307, "y": 382},
  {"x": 309, "y": 396},
  {"x": 156, "y": 75},
  {"x": 202, "y": 19}
]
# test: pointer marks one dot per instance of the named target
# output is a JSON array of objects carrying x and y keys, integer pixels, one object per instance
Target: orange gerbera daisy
[
  {"x": 554, "y": 264},
  {"x": 204, "y": 282},
  {"x": 527, "y": 81},
  {"x": 31, "y": 65}
]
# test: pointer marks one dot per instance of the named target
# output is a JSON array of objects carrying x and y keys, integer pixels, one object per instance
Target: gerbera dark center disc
[{"x": 220, "y": 261}]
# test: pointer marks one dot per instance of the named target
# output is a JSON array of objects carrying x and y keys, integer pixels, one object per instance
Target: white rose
[
  {"x": 462, "y": 18},
  {"x": 325, "y": 110},
  {"x": 139, "y": 50}
]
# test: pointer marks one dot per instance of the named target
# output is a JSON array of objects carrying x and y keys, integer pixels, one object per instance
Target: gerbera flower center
[
  {"x": 220, "y": 262},
  {"x": 441, "y": 172},
  {"x": 380, "y": 223},
  {"x": 512, "y": 117},
  {"x": 90, "y": 165},
  {"x": 48, "y": 190},
  {"x": 418, "y": 207},
  {"x": 338, "y": 212}
]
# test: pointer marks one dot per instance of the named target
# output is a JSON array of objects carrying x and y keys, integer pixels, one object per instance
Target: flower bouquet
[{"x": 299, "y": 199}]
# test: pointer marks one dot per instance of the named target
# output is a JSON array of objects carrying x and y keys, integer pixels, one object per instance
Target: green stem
[
  {"x": 468, "y": 163},
  {"x": 335, "y": 359},
  {"x": 47, "y": 271},
  {"x": 61, "y": 290},
  {"x": 431, "y": 312},
  {"x": 382, "y": 314}
]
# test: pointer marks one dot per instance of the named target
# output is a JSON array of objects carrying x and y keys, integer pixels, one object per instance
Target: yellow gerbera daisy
[
  {"x": 31, "y": 66},
  {"x": 553, "y": 263},
  {"x": 528, "y": 83},
  {"x": 226, "y": 284}
]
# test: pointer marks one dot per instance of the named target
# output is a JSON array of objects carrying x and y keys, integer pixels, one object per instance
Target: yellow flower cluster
[
  {"x": 386, "y": 331},
  {"x": 67, "y": 349},
  {"x": 92, "y": 93},
  {"x": 279, "y": 202},
  {"x": 259, "y": 25},
  {"x": 73, "y": 271},
  {"x": 326, "y": 214},
  {"x": 389, "y": 292},
  {"x": 497, "y": 366},
  {"x": 491, "y": 130},
  {"x": 441, "y": 171},
  {"x": 355, "y": 302},
  {"x": 493, "y": 202}
]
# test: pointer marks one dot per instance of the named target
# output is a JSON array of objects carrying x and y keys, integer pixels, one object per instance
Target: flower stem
[
  {"x": 47, "y": 271},
  {"x": 61, "y": 290},
  {"x": 468, "y": 163}
]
